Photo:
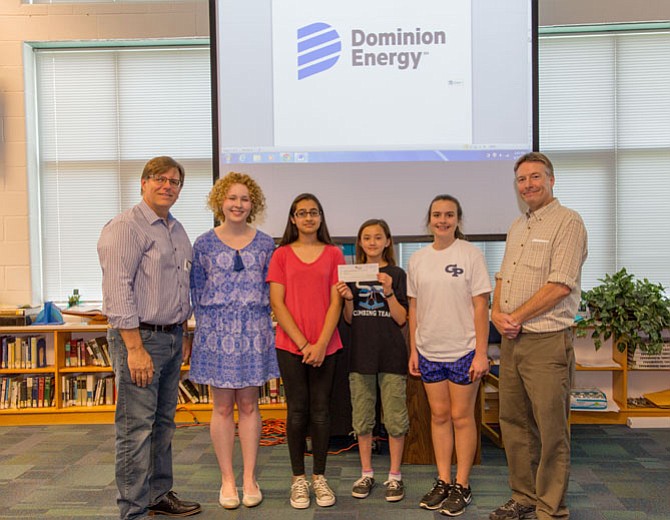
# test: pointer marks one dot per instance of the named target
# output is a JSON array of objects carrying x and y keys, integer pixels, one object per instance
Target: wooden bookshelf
[
  {"x": 59, "y": 413},
  {"x": 607, "y": 369}
]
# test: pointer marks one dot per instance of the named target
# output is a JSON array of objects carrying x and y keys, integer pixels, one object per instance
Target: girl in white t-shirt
[{"x": 448, "y": 290}]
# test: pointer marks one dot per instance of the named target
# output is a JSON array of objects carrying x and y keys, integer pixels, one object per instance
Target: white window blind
[
  {"x": 101, "y": 115},
  {"x": 605, "y": 122}
]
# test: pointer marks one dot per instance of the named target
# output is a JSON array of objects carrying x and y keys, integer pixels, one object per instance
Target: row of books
[
  {"x": 644, "y": 361},
  {"x": 37, "y": 391},
  {"x": 88, "y": 390},
  {"x": 271, "y": 392},
  {"x": 85, "y": 353},
  {"x": 190, "y": 392},
  {"x": 26, "y": 391},
  {"x": 23, "y": 352},
  {"x": 17, "y": 316}
]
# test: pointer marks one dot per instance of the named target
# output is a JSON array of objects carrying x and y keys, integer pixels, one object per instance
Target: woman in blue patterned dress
[{"x": 233, "y": 348}]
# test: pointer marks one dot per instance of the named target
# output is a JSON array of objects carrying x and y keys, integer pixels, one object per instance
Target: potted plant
[{"x": 633, "y": 312}]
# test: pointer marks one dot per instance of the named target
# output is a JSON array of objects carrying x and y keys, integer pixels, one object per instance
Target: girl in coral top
[{"x": 307, "y": 307}]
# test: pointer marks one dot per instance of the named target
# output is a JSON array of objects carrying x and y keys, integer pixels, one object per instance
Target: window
[
  {"x": 605, "y": 122},
  {"x": 101, "y": 114}
]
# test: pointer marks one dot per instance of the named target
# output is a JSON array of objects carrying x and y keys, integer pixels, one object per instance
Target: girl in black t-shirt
[{"x": 377, "y": 310}]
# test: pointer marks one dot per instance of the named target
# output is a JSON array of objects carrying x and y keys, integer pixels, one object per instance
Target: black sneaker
[
  {"x": 512, "y": 510},
  {"x": 438, "y": 494},
  {"x": 362, "y": 487},
  {"x": 458, "y": 498}
]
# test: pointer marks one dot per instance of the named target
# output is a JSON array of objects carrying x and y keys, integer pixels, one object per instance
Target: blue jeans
[{"x": 144, "y": 422}]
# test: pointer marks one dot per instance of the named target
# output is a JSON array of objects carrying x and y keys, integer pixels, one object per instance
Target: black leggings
[{"x": 308, "y": 392}]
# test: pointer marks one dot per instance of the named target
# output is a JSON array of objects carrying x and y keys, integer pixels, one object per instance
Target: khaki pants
[{"x": 536, "y": 373}]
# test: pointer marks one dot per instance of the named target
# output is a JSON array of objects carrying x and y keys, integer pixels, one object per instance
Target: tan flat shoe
[
  {"x": 252, "y": 500},
  {"x": 232, "y": 502}
]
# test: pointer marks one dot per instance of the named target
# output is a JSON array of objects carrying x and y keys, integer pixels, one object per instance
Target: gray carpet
[{"x": 63, "y": 472}]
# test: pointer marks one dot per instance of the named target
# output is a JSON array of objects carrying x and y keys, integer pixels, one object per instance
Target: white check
[{"x": 358, "y": 272}]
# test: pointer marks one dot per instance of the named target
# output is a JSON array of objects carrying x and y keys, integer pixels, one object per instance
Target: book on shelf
[
  {"x": 40, "y": 392},
  {"x": 17, "y": 316},
  {"x": 41, "y": 352},
  {"x": 3, "y": 352},
  {"x": 103, "y": 346},
  {"x": 587, "y": 399},
  {"x": 11, "y": 349},
  {"x": 273, "y": 390},
  {"x": 96, "y": 348},
  {"x": 30, "y": 393},
  {"x": 3, "y": 391},
  {"x": 90, "y": 389},
  {"x": 22, "y": 353},
  {"x": 110, "y": 393},
  {"x": 189, "y": 391},
  {"x": 91, "y": 354},
  {"x": 640, "y": 360},
  {"x": 48, "y": 391},
  {"x": 23, "y": 393},
  {"x": 33, "y": 352}
]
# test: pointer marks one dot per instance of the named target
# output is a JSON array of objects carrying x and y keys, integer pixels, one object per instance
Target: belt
[{"x": 159, "y": 328}]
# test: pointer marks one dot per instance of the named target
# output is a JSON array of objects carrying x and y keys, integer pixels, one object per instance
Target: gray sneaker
[
  {"x": 362, "y": 487},
  {"x": 324, "y": 495},
  {"x": 395, "y": 490},
  {"x": 512, "y": 510}
]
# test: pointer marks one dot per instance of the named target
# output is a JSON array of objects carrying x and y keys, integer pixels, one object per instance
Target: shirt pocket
[{"x": 537, "y": 255}]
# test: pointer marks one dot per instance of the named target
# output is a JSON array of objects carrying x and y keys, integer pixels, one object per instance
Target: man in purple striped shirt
[{"x": 145, "y": 257}]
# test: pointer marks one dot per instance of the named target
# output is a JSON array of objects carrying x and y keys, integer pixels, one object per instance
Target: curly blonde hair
[{"x": 220, "y": 190}]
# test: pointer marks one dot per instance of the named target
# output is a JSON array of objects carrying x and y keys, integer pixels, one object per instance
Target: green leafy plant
[{"x": 634, "y": 312}]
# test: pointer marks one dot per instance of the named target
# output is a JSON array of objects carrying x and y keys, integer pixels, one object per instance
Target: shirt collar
[
  {"x": 150, "y": 214},
  {"x": 543, "y": 211}
]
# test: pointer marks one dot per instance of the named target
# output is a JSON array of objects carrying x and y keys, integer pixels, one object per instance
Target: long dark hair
[
  {"x": 388, "y": 254},
  {"x": 291, "y": 231},
  {"x": 459, "y": 213}
]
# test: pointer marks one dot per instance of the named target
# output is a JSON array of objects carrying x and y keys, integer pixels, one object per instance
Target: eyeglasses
[
  {"x": 303, "y": 213},
  {"x": 175, "y": 183}
]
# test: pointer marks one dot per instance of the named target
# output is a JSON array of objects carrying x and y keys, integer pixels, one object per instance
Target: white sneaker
[
  {"x": 324, "y": 495},
  {"x": 300, "y": 493}
]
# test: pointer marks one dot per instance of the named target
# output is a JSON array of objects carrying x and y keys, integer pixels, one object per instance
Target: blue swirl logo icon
[{"x": 319, "y": 48}]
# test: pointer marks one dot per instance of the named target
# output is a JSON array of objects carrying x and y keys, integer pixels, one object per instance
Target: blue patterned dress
[{"x": 234, "y": 343}]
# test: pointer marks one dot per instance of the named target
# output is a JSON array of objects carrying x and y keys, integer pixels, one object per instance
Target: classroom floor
[{"x": 63, "y": 472}]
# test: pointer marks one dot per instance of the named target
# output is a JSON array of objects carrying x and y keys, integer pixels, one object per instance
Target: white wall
[{"x": 21, "y": 22}]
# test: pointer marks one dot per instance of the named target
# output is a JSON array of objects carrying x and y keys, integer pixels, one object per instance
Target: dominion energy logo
[{"x": 320, "y": 46}]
